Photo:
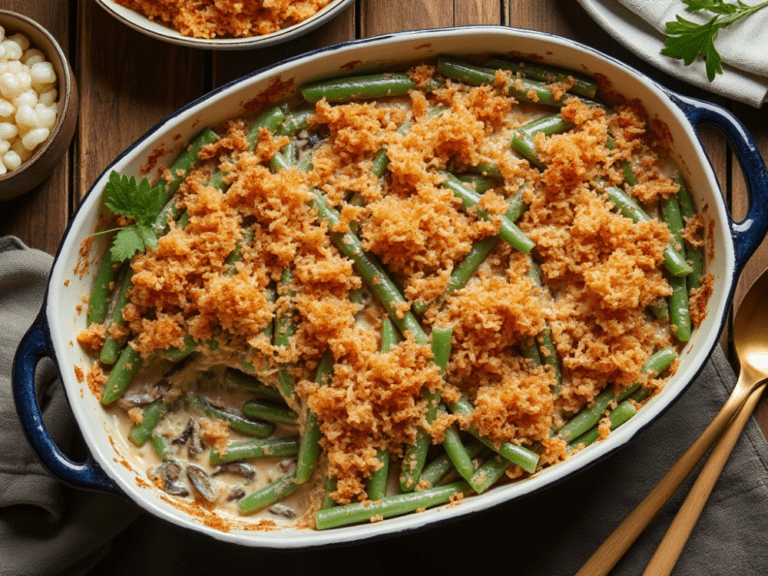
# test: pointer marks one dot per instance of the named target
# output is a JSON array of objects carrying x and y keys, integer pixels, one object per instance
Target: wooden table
[{"x": 128, "y": 82}]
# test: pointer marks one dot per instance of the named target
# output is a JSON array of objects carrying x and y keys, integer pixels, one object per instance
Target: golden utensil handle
[{"x": 671, "y": 546}]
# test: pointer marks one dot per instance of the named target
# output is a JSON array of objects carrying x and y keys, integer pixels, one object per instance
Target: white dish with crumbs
[{"x": 53, "y": 334}]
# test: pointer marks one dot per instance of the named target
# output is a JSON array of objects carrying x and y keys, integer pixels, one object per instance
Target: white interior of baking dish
[{"x": 68, "y": 289}]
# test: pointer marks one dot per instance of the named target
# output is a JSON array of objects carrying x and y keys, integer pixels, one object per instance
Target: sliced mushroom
[
  {"x": 282, "y": 510},
  {"x": 170, "y": 473},
  {"x": 202, "y": 482},
  {"x": 196, "y": 444},
  {"x": 239, "y": 468},
  {"x": 185, "y": 434},
  {"x": 236, "y": 493}
]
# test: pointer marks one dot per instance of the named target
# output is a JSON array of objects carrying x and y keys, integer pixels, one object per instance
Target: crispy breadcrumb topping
[{"x": 600, "y": 271}]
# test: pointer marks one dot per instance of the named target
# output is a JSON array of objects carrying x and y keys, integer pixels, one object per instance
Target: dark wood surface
[{"x": 128, "y": 82}]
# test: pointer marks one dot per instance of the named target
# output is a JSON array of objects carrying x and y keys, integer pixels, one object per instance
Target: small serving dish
[
  {"x": 159, "y": 31},
  {"x": 47, "y": 155},
  {"x": 110, "y": 466}
]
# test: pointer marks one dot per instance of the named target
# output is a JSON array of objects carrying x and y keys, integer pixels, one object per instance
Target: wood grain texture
[
  {"x": 384, "y": 16},
  {"x": 39, "y": 217},
  {"x": 119, "y": 102}
]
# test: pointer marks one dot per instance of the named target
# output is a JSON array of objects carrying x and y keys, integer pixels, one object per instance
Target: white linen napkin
[{"x": 742, "y": 46}]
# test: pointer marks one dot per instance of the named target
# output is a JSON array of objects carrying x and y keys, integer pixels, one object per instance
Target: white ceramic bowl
[
  {"x": 54, "y": 332},
  {"x": 159, "y": 31},
  {"x": 48, "y": 154}
]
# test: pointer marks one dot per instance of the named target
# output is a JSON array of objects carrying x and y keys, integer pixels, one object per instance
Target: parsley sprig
[
  {"x": 687, "y": 40},
  {"x": 138, "y": 201}
]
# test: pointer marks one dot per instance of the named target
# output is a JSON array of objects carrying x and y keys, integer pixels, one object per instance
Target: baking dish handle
[
  {"x": 34, "y": 346},
  {"x": 748, "y": 233}
]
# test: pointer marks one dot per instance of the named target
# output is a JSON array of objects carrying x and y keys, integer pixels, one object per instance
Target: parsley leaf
[
  {"x": 139, "y": 201},
  {"x": 687, "y": 40}
]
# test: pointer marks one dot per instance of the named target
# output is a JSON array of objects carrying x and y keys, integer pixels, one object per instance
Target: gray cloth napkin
[{"x": 45, "y": 529}]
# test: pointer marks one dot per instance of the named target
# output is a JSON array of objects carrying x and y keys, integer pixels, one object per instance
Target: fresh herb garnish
[
  {"x": 687, "y": 40},
  {"x": 142, "y": 203}
]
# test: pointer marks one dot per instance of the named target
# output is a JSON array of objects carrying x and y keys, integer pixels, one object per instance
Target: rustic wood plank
[
  {"x": 119, "y": 103},
  {"x": 39, "y": 217},
  {"x": 478, "y": 12},
  {"x": 228, "y": 66},
  {"x": 385, "y": 16}
]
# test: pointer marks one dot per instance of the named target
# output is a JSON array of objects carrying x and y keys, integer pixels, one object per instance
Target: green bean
[
  {"x": 442, "y": 465},
  {"x": 522, "y": 89},
  {"x": 237, "y": 253},
  {"x": 489, "y": 169},
  {"x": 271, "y": 120},
  {"x": 161, "y": 447},
  {"x": 547, "y": 350},
  {"x": 248, "y": 382},
  {"x": 588, "y": 417},
  {"x": 695, "y": 254},
  {"x": 377, "y": 483},
  {"x": 275, "y": 447},
  {"x": 529, "y": 348},
  {"x": 509, "y": 232},
  {"x": 415, "y": 455},
  {"x": 523, "y": 140},
  {"x": 176, "y": 353},
  {"x": 617, "y": 416},
  {"x": 388, "y": 506},
  {"x": 488, "y": 473},
  {"x": 479, "y": 252},
  {"x": 389, "y": 336},
  {"x": 519, "y": 455},
  {"x": 285, "y": 328},
  {"x": 112, "y": 346},
  {"x": 676, "y": 265},
  {"x": 98, "y": 303},
  {"x": 329, "y": 487},
  {"x": 370, "y": 269},
  {"x": 270, "y": 412},
  {"x": 582, "y": 85},
  {"x": 309, "y": 451},
  {"x": 381, "y": 159},
  {"x": 294, "y": 122},
  {"x": 367, "y": 87},
  {"x": 679, "y": 310},
  {"x": 236, "y": 419},
  {"x": 457, "y": 453},
  {"x": 267, "y": 495},
  {"x": 465, "y": 270},
  {"x": 153, "y": 413},
  {"x": 184, "y": 163},
  {"x": 478, "y": 182},
  {"x": 126, "y": 367}
]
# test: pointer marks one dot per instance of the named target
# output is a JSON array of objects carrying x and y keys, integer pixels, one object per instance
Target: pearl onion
[
  {"x": 8, "y": 130},
  {"x": 2, "y": 55},
  {"x": 2, "y": 33},
  {"x": 26, "y": 119},
  {"x": 21, "y": 40},
  {"x": 12, "y": 49},
  {"x": 47, "y": 98},
  {"x": 18, "y": 147},
  {"x": 4, "y": 146},
  {"x": 33, "y": 56},
  {"x": 9, "y": 86},
  {"x": 11, "y": 160},
  {"x": 28, "y": 98},
  {"x": 6, "y": 108},
  {"x": 42, "y": 73},
  {"x": 34, "y": 137},
  {"x": 46, "y": 116}
]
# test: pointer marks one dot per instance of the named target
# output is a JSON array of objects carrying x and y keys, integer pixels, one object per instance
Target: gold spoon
[{"x": 750, "y": 338}]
